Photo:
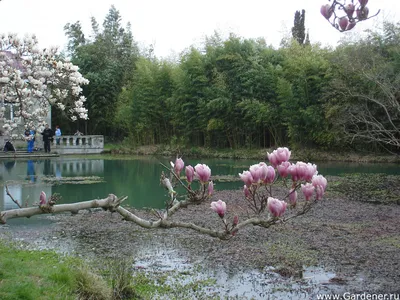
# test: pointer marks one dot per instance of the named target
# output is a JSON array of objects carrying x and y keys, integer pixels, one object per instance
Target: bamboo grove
[{"x": 236, "y": 92}]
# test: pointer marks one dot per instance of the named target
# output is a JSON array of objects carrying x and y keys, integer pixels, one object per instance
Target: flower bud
[
  {"x": 210, "y": 188},
  {"x": 362, "y": 13},
  {"x": 326, "y": 11},
  {"x": 363, "y": 2},
  {"x": 246, "y": 191},
  {"x": 350, "y": 8},
  {"x": 343, "y": 22},
  {"x": 42, "y": 198},
  {"x": 235, "y": 220},
  {"x": 179, "y": 164},
  {"x": 189, "y": 171}
]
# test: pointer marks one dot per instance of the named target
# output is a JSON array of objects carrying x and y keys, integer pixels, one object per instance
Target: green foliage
[
  {"x": 240, "y": 93},
  {"x": 107, "y": 60}
]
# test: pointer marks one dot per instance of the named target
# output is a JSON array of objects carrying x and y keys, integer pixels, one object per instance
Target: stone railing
[
  {"x": 68, "y": 144},
  {"x": 78, "y": 144}
]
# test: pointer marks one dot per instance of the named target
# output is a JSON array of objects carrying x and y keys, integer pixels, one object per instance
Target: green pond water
[{"x": 135, "y": 177}]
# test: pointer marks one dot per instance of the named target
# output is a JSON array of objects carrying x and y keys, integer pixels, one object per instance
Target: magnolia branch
[{"x": 110, "y": 203}]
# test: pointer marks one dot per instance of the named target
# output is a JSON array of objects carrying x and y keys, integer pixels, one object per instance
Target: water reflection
[
  {"x": 136, "y": 178},
  {"x": 9, "y": 165}
]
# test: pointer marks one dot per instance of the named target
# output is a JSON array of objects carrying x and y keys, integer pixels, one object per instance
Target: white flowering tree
[{"x": 32, "y": 80}]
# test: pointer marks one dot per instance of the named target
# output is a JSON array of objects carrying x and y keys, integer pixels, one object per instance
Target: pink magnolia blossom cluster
[
  {"x": 303, "y": 175},
  {"x": 200, "y": 172},
  {"x": 258, "y": 181},
  {"x": 345, "y": 16},
  {"x": 32, "y": 79}
]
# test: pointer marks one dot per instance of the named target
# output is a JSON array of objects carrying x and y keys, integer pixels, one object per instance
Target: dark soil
[{"x": 357, "y": 240}]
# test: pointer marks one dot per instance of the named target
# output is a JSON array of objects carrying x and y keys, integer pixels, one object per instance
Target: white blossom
[{"x": 30, "y": 79}]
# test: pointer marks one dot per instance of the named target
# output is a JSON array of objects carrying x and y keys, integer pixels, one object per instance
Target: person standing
[
  {"x": 58, "y": 134},
  {"x": 47, "y": 136},
  {"x": 30, "y": 138}
]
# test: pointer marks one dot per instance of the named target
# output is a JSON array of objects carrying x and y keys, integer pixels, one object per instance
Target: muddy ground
[{"x": 355, "y": 239}]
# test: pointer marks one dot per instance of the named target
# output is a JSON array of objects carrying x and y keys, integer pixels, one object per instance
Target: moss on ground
[{"x": 372, "y": 188}]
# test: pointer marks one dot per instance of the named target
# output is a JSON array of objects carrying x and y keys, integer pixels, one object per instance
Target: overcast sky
[{"x": 173, "y": 25}]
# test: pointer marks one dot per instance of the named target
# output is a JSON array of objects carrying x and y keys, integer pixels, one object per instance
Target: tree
[
  {"x": 107, "y": 59},
  {"x": 264, "y": 209},
  {"x": 33, "y": 80},
  {"x": 299, "y": 29},
  {"x": 364, "y": 95}
]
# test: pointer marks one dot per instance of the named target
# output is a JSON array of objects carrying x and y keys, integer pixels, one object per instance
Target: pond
[{"x": 135, "y": 177}]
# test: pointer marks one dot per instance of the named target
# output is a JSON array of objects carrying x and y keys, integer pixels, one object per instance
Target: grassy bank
[
  {"x": 257, "y": 154},
  {"x": 31, "y": 275},
  {"x": 35, "y": 275},
  {"x": 27, "y": 274}
]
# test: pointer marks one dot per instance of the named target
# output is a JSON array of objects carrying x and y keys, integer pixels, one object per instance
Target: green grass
[
  {"x": 30, "y": 274},
  {"x": 35, "y": 275}
]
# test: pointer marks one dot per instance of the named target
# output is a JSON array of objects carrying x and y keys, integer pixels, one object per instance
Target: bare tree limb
[{"x": 12, "y": 198}]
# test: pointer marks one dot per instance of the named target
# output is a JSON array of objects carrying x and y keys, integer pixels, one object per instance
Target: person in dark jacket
[{"x": 47, "y": 137}]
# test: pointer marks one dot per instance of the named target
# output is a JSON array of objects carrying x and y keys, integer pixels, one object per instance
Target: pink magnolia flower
[
  {"x": 273, "y": 159},
  {"x": 283, "y": 169},
  {"x": 319, "y": 192},
  {"x": 42, "y": 198},
  {"x": 263, "y": 170},
  {"x": 297, "y": 171},
  {"x": 276, "y": 207},
  {"x": 283, "y": 154},
  {"x": 179, "y": 164},
  {"x": 210, "y": 188},
  {"x": 292, "y": 196},
  {"x": 202, "y": 172},
  {"x": 326, "y": 11},
  {"x": 246, "y": 177},
  {"x": 308, "y": 190},
  {"x": 189, "y": 171},
  {"x": 319, "y": 180},
  {"x": 219, "y": 207},
  {"x": 270, "y": 175},
  {"x": 258, "y": 172},
  {"x": 351, "y": 25},
  {"x": 311, "y": 171},
  {"x": 302, "y": 171}
]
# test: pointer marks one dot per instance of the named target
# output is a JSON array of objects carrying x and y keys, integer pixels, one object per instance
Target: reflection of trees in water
[{"x": 78, "y": 168}]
